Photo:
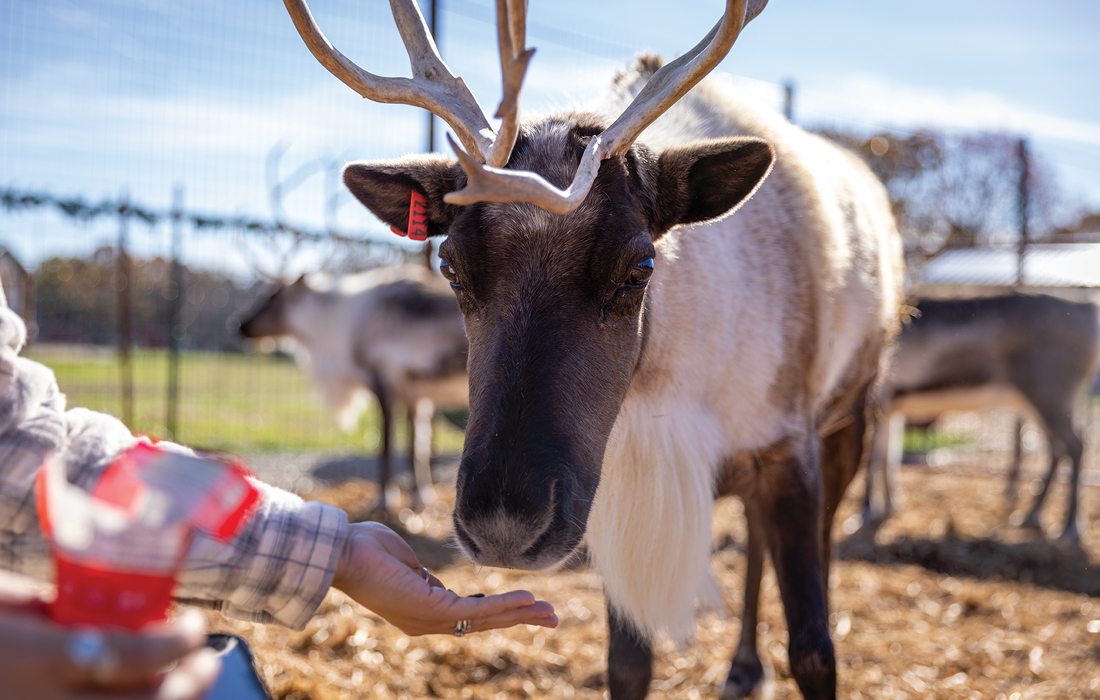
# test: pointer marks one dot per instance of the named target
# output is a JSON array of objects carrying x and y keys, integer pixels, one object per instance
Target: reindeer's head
[
  {"x": 271, "y": 317},
  {"x": 550, "y": 253}
]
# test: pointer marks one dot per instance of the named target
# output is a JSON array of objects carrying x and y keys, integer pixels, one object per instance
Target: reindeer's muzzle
[{"x": 530, "y": 528}]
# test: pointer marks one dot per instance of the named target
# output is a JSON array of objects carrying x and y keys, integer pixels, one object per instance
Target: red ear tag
[{"x": 418, "y": 217}]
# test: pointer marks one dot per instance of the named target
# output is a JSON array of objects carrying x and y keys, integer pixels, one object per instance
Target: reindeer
[
  {"x": 1033, "y": 354},
  {"x": 395, "y": 332},
  {"x": 634, "y": 348}
]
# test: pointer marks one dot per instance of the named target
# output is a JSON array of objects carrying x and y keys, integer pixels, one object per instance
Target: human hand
[
  {"x": 40, "y": 659},
  {"x": 381, "y": 572}
]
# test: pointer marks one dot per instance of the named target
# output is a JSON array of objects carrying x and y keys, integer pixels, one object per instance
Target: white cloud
[
  {"x": 317, "y": 118},
  {"x": 865, "y": 99}
]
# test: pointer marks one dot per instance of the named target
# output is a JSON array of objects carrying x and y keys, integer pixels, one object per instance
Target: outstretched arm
[{"x": 277, "y": 569}]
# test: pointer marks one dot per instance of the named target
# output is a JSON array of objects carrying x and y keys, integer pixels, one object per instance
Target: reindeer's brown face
[
  {"x": 554, "y": 310},
  {"x": 268, "y": 318}
]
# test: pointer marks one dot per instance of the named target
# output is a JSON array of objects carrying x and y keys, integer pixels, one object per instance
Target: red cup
[
  {"x": 118, "y": 556},
  {"x": 89, "y": 594}
]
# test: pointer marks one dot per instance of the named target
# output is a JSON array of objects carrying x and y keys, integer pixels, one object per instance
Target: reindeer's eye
[
  {"x": 449, "y": 272},
  {"x": 640, "y": 274}
]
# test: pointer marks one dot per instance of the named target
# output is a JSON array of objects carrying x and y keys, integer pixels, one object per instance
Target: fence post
[
  {"x": 1023, "y": 197},
  {"x": 1023, "y": 205},
  {"x": 175, "y": 308},
  {"x": 433, "y": 27},
  {"x": 123, "y": 279},
  {"x": 788, "y": 100}
]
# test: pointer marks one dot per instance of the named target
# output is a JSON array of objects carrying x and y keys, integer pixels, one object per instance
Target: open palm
[{"x": 381, "y": 572}]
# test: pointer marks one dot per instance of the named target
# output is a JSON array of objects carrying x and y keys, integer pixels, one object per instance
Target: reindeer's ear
[
  {"x": 708, "y": 179},
  {"x": 385, "y": 187}
]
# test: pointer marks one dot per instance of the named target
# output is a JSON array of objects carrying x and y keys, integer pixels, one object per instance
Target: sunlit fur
[{"x": 803, "y": 276}]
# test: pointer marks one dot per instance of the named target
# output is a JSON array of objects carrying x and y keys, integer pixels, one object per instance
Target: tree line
[{"x": 77, "y": 302}]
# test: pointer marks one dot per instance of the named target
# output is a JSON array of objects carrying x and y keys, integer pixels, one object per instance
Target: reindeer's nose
[{"x": 528, "y": 530}]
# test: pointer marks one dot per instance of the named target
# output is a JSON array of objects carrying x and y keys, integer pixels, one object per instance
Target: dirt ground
[{"x": 947, "y": 602}]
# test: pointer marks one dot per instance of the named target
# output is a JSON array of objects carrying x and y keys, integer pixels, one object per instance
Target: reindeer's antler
[
  {"x": 511, "y": 38},
  {"x": 436, "y": 89},
  {"x": 671, "y": 82},
  {"x": 432, "y": 86}
]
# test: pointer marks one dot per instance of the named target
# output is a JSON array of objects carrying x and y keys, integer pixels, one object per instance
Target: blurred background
[{"x": 163, "y": 164}]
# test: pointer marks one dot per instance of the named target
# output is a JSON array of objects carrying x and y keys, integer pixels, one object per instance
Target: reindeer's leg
[
  {"x": 410, "y": 421},
  {"x": 891, "y": 490},
  {"x": 842, "y": 456},
  {"x": 877, "y": 499},
  {"x": 1031, "y": 520},
  {"x": 869, "y": 512},
  {"x": 629, "y": 660},
  {"x": 420, "y": 449},
  {"x": 388, "y": 494},
  {"x": 1072, "y": 530},
  {"x": 746, "y": 670},
  {"x": 1066, "y": 437},
  {"x": 790, "y": 498},
  {"x": 1013, "y": 481}
]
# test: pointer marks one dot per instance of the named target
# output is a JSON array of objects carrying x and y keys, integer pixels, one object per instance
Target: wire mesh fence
[
  {"x": 144, "y": 324},
  {"x": 204, "y": 164}
]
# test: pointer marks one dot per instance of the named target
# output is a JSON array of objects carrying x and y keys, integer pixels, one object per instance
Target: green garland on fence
[{"x": 78, "y": 208}]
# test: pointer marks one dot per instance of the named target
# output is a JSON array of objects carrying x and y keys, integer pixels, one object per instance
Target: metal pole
[
  {"x": 175, "y": 308},
  {"x": 788, "y": 100},
  {"x": 433, "y": 26},
  {"x": 1022, "y": 207},
  {"x": 123, "y": 280}
]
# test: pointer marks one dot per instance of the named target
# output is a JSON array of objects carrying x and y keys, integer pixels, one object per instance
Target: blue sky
[{"x": 97, "y": 96}]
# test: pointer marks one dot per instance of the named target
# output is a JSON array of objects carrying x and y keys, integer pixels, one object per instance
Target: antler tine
[
  {"x": 673, "y": 80},
  {"x": 668, "y": 84},
  {"x": 433, "y": 86},
  {"x": 514, "y": 59},
  {"x": 488, "y": 184}
]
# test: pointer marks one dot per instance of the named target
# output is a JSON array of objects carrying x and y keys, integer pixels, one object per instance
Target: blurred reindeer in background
[
  {"x": 1035, "y": 355},
  {"x": 394, "y": 332}
]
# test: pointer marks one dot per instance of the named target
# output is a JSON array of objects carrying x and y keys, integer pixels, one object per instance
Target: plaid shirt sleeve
[{"x": 277, "y": 569}]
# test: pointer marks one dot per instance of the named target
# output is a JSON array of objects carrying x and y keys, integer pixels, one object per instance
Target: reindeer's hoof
[
  {"x": 424, "y": 497},
  {"x": 748, "y": 679},
  {"x": 864, "y": 525},
  {"x": 1031, "y": 524},
  {"x": 387, "y": 503},
  {"x": 1070, "y": 537}
]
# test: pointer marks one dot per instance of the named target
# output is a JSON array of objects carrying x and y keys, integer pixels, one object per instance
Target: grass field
[{"x": 238, "y": 403}]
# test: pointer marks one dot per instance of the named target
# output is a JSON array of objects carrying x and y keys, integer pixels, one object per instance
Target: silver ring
[
  {"x": 424, "y": 574},
  {"x": 90, "y": 654},
  {"x": 461, "y": 628}
]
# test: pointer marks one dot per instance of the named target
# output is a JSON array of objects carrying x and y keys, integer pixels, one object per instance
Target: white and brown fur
[
  {"x": 765, "y": 319},
  {"x": 748, "y": 370},
  {"x": 1034, "y": 355},
  {"x": 395, "y": 333}
]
